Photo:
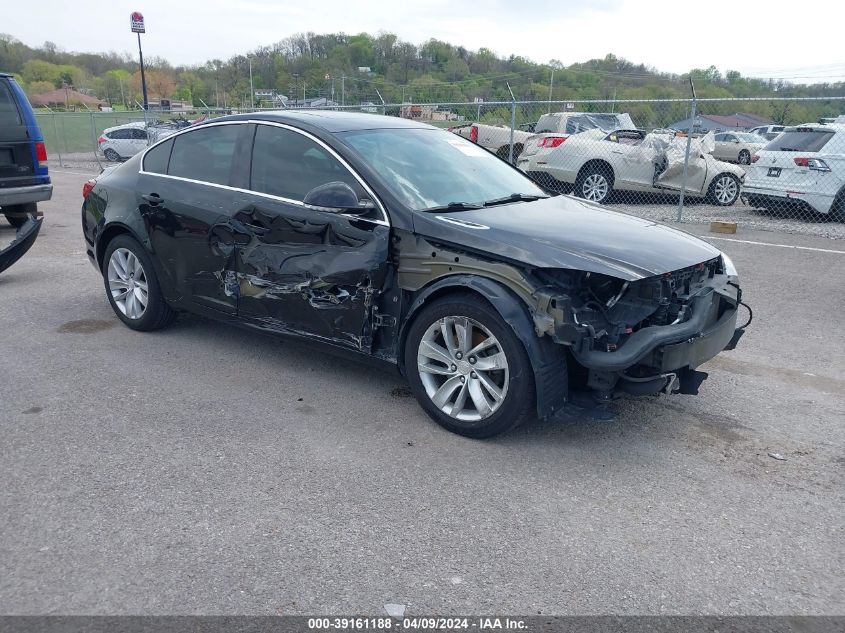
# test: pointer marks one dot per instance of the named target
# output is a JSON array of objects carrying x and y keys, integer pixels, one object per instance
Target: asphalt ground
[{"x": 209, "y": 470}]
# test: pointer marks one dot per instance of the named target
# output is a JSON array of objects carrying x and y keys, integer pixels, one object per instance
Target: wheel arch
[
  {"x": 548, "y": 360},
  {"x": 600, "y": 163},
  {"x": 108, "y": 233}
]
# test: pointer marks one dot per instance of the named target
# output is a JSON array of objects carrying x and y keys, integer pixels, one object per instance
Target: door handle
[{"x": 153, "y": 198}]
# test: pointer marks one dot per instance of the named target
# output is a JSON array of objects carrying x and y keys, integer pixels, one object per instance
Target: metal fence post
[
  {"x": 513, "y": 123},
  {"x": 94, "y": 139},
  {"x": 686, "y": 155},
  {"x": 56, "y": 133}
]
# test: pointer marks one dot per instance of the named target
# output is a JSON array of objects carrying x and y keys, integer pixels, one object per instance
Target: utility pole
[
  {"x": 296, "y": 89},
  {"x": 343, "y": 90},
  {"x": 551, "y": 84}
]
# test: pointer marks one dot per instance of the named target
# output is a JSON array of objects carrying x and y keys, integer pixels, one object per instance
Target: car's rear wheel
[
  {"x": 745, "y": 157},
  {"x": 132, "y": 286},
  {"x": 595, "y": 183},
  {"x": 18, "y": 214},
  {"x": 724, "y": 190},
  {"x": 468, "y": 369},
  {"x": 111, "y": 155}
]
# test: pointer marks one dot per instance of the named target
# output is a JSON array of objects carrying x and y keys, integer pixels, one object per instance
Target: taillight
[
  {"x": 801, "y": 161},
  {"x": 473, "y": 134},
  {"x": 101, "y": 140},
  {"x": 551, "y": 141},
  {"x": 87, "y": 187},
  {"x": 755, "y": 158},
  {"x": 40, "y": 151}
]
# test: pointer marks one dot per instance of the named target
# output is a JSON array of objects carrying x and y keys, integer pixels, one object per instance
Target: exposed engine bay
[{"x": 627, "y": 333}]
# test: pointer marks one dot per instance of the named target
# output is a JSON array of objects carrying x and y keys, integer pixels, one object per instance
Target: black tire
[
  {"x": 589, "y": 172},
  {"x": 16, "y": 214},
  {"x": 111, "y": 155},
  {"x": 837, "y": 210},
  {"x": 744, "y": 157},
  {"x": 713, "y": 195},
  {"x": 519, "y": 401},
  {"x": 157, "y": 313},
  {"x": 504, "y": 151}
]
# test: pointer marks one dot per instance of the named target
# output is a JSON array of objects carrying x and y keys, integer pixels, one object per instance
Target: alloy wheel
[
  {"x": 595, "y": 187},
  {"x": 128, "y": 283},
  {"x": 463, "y": 368},
  {"x": 725, "y": 190}
]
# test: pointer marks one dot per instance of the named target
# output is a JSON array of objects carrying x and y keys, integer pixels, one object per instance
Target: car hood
[{"x": 564, "y": 232}]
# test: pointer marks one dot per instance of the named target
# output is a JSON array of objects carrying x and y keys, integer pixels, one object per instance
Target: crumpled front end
[{"x": 644, "y": 336}]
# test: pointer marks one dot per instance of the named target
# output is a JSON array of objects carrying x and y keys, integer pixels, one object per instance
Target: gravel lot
[{"x": 205, "y": 469}]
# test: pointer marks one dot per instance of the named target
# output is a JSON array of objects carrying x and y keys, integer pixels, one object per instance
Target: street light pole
[
  {"x": 551, "y": 84},
  {"x": 143, "y": 78}
]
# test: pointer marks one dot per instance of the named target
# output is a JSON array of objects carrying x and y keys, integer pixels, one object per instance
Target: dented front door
[
  {"x": 301, "y": 269},
  {"x": 310, "y": 272}
]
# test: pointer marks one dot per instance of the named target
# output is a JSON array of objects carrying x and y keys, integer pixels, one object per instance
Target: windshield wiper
[
  {"x": 514, "y": 197},
  {"x": 454, "y": 206}
]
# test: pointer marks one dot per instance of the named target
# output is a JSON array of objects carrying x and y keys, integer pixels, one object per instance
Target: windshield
[{"x": 434, "y": 168}]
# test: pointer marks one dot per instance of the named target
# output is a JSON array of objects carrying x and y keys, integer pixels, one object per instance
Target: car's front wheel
[
  {"x": 132, "y": 286},
  {"x": 724, "y": 190},
  {"x": 468, "y": 369}
]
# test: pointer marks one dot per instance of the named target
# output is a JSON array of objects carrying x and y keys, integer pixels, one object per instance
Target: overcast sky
[{"x": 771, "y": 39}]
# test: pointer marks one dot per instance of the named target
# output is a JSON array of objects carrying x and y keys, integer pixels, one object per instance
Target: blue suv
[{"x": 23, "y": 157}]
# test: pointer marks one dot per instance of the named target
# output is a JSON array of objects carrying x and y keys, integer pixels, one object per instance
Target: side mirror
[{"x": 336, "y": 197}]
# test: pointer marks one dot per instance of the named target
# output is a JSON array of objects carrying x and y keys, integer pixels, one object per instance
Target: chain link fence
[{"x": 700, "y": 161}]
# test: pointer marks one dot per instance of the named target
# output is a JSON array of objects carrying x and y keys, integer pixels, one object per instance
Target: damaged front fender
[{"x": 23, "y": 241}]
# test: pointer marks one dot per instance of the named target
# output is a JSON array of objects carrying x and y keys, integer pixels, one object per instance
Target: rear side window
[
  {"x": 157, "y": 158},
  {"x": 119, "y": 135},
  {"x": 9, "y": 113},
  {"x": 289, "y": 165},
  {"x": 800, "y": 140},
  {"x": 205, "y": 154}
]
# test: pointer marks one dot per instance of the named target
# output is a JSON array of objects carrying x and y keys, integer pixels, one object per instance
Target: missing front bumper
[{"x": 23, "y": 241}]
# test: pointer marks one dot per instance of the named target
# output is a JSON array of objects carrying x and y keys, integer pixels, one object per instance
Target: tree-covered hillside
[{"x": 312, "y": 65}]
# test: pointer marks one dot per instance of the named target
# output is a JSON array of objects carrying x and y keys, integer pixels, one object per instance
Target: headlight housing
[{"x": 728, "y": 266}]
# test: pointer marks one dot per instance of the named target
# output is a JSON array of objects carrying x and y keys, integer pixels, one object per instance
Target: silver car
[{"x": 738, "y": 147}]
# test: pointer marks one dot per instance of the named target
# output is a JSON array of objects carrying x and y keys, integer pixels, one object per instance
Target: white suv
[{"x": 804, "y": 166}]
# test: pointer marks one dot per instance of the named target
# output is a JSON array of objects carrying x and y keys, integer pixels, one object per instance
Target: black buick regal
[{"x": 405, "y": 244}]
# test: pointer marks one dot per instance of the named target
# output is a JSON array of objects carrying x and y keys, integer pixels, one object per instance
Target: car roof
[
  {"x": 135, "y": 124},
  {"x": 5, "y": 75},
  {"x": 328, "y": 120}
]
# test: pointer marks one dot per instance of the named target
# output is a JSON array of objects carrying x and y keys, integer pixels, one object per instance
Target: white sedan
[{"x": 595, "y": 163}]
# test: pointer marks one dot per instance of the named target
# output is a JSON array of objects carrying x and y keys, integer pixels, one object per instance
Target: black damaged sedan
[{"x": 406, "y": 244}]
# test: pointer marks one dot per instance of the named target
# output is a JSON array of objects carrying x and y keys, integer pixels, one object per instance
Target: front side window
[
  {"x": 139, "y": 134},
  {"x": 289, "y": 164},
  {"x": 205, "y": 154},
  {"x": 120, "y": 135},
  {"x": 427, "y": 168}
]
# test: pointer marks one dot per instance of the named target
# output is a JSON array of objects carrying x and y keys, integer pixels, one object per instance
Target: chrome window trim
[{"x": 385, "y": 221}]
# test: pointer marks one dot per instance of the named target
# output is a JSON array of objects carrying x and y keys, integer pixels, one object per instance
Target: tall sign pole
[{"x": 136, "y": 20}]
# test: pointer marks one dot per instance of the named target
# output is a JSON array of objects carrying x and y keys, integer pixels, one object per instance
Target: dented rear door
[{"x": 299, "y": 269}]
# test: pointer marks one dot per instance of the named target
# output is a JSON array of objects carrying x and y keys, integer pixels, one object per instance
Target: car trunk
[{"x": 16, "y": 157}]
